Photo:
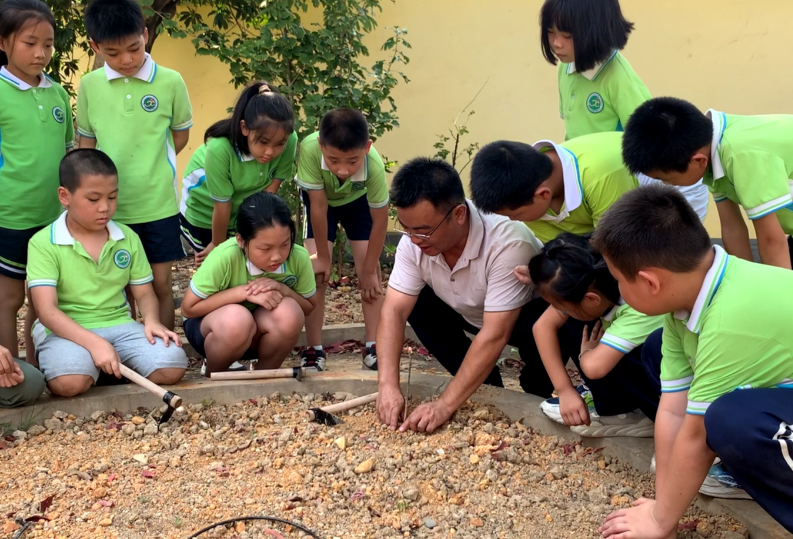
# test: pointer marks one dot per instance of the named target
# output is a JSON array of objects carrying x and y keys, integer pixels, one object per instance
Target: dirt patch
[{"x": 479, "y": 477}]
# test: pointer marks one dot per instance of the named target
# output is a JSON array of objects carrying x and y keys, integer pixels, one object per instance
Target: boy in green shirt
[
  {"x": 77, "y": 271},
  {"x": 553, "y": 188},
  {"x": 746, "y": 161},
  {"x": 727, "y": 366},
  {"x": 343, "y": 182},
  {"x": 139, "y": 114}
]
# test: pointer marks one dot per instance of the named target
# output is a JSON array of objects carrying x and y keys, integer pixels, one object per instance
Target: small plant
[
  {"x": 402, "y": 505},
  {"x": 144, "y": 499},
  {"x": 30, "y": 419},
  {"x": 207, "y": 402},
  {"x": 458, "y": 152},
  {"x": 177, "y": 522},
  {"x": 6, "y": 429}
]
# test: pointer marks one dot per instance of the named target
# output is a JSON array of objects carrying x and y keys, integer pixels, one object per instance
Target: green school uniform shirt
[
  {"x": 227, "y": 267},
  {"x": 313, "y": 174},
  {"x": 737, "y": 336},
  {"x": 752, "y": 164},
  {"x": 36, "y": 130},
  {"x": 131, "y": 119},
  {"x": 601, "y": 99},
  {"x": 90, "y": 293},
  {"x": 594, "y": 178},
  {"x": 625, "y": 329},
  {"x": 218, "y": 172}
]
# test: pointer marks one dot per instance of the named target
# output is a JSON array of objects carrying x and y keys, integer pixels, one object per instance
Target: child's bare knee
[
  {"x": 70, "y": 385},
  {"x": 167, "y": 376},
  {"x": 12, "y": 298},
  {"x": 289, "y": 317}
]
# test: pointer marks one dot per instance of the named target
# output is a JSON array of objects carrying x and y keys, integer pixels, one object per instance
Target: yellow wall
[{"x": 727, "y": 54}]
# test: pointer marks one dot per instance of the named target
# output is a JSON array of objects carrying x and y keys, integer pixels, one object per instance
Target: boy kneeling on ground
[
  {"x": 77, "y": 270},
  {"x": 727, "y": 366}
]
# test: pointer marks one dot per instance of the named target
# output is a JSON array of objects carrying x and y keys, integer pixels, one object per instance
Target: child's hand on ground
[
  {"x": 156, "y": 329},
  {"x": 201, "y": 256},
  {"x": 269, "y": 300},
  {"x": 637, "y": 522},
  {"x": 263, "y": 284},
  {"x": 590, "y": 342},
  {"x": 321, "y": 268},
  {"x": 370, "y": 285},
  {"x": 573, "y": 408},
  {"x": 105, "y": 357},
  {"x": 522, "y": 273}
]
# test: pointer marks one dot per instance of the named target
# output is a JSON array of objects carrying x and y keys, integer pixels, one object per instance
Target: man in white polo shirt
[{"x": 453, "y": 274}]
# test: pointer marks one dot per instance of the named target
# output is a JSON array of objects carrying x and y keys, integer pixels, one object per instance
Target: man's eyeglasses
[{"x": 398, "y": 227}]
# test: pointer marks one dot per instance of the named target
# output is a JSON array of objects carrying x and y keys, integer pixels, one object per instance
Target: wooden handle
[
  {"x": 350, "y": 404},
  {"x": 255, "y": 375},
  {"x": 148, "y": 385}
]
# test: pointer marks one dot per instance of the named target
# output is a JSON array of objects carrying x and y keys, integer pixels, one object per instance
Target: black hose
[{"x": 271, "y": 519}]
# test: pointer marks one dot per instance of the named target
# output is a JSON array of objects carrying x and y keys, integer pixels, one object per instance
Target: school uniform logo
[
  {"x": 357, "y": 186},
  {"x": 59, "y": 115},
  {"x": 594, "y": 103},
  {"x": 122, "y": 258},
  {"x": 149, "y": 103},
  {"x": 290, "y": 281}
]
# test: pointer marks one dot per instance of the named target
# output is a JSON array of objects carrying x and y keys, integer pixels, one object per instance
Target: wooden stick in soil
[
  {"x": 341, "y": 407},
  {"x": 297, "y": 373},
  {"x": 407, "y": 396},
  {"x": 171, "y": 399}
]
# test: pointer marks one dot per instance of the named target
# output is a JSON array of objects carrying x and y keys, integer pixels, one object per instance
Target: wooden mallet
[
  {"x": 170, "y": 398},
  {"x": 266, "y": 374},
  {"x": 325, "y": 415}
]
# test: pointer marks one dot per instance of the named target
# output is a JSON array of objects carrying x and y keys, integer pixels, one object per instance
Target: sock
[
  {"x": 369, "y": 344},
  {"x": 318, "y": 348}
]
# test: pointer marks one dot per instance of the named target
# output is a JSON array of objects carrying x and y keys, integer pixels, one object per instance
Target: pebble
[
  {"x": 60, "y": 414},
  {"x": 703, "y": 529},
  {"x": 477, "y": 522},
  {"x": 105, "y": 522},
  {"x": 474, "y": 459},
  {"x": 128, "y": 429},
  {"x": 341, "y": 443},
  {"x": 411, "y": 494},
  {"x": 137, "y": 420},
  {"x": 429, "y": 523},
  {"x": 142, "y": 458},
  {"x": 54, "y": 425},
  {"x": 203, "y": 425},
  {"x": 96, "y": 416},
  {"x": 151, "y": 429},
  {"x": 36, "y": 430},
  {"x": 19, "y": 434},
  {"x": 366, "y": 466}
]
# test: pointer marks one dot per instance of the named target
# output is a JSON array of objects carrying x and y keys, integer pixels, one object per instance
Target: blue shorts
[
  {"x": 192, "y": 331},
  {"x": 355, "y": 218},
  {"x": 198, "y": 238},
  {"x": 14, "y": 251},
  {"x": 161, "y": 239}
]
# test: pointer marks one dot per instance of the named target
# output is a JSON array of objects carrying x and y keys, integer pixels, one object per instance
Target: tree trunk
[{"x": 161, "y": 8}]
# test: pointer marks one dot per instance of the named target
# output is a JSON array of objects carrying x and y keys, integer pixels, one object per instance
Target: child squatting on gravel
[
  {"x": 574, "y": 279},
  {"x": 250, "y": 297},
  {"x": 78, "y": 268},
  {"x": 727, "y": 369}
]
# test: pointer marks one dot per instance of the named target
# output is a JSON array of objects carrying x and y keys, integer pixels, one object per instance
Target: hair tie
[{"x": 265, "y": 89}]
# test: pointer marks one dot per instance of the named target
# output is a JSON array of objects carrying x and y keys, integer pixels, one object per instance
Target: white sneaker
[
  {"x": 550, "y": 407},
  {"x": 634, "y": 425},
  {"x": 236, "y": 366}
]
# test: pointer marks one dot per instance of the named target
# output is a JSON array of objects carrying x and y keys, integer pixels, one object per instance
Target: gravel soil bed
[{"x": 113, "y": 476}]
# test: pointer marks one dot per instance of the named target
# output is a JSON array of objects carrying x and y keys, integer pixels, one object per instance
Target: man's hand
[
  {"x": 201, "y": 256},
  {"x": 370, "y": 285},
  {"x": 262, "y": 284},
  {"x": 573, "y": 408},
  {"x": 269, "y": 300},
  {"x": 321, "y": 269},
  {"x": 522, "y": 273},
  {"x": 427, "y": 417},
  {"x": 390, "y": 406},
  {"x": 156, "y": 329},
  {"x": 590, "y": 342},
  {"x": 105, "y": 357},
  {"x": 638, "y": 522}
]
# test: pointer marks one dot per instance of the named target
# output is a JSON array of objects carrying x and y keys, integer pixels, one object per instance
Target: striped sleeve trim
[
  {"x": 617, "y": 343},
  {"x": 769, "y": 207},
  {"x": 197, "y": 292},
  {"x": 718, "y": 197},
  {"x": 70, "y": 145},
  {"x": 311, "y": 295},
  {"x": 42, "y": 282},
  {"x": 697, "y": 408},
  {"x": 220, "y": 199},
  {"x": 675, "y": 386},
  {"x": 84, "y": 133},
  {"x": 309, "y": 186},
  {"x": 377, "y": 206},
  {"x": 183, "y": 126},
  {"x": 145, "y": 280}
]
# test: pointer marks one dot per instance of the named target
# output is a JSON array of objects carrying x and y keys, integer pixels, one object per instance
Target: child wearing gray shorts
[{"x": 78, "y": 268}]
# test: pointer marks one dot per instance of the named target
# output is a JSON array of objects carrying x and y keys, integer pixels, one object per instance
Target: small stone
[
  {"x": 96, "y": 416},
  {"x": 36, "y": 430},
  {"x": 105, "y": 522},
  {"x": 429, "y": 523},
  {"x": 341, "y": 443},
  {"x": 208, "y": 449},
  {"x": 137, "y": 435},
  {"x": 60, "y": 414},
  {"x": 174, "y": 462},
  {"x": 216, "y": 465},
  {"x": 137, "y": 420},
  {"x": 203, "y": 425},
  {"x": 481, "y": 413},
  {"x": 558, "y": 473},
  {"x": 365, "y": 467},
  {"x": 10, "y": 527},
  {"x": 474, "y": 459},
  {"x": 277, "y": 419},
  {"x": 54, "y": 425},
  {"x": 151, "y": 429},
  {"x": 704, "y": 529},
  {"x": 491, "y": 475},
  {"x": 411, "y": 494},
  {"x": 19, "y": 434},
  {"x": 142, "y": 458},
  {"x": 128, "y": 429},
  {"x": 477, "y": 522},
  {"x": 101, "y": 492},
  {"x": 294, "y": 477},
  {"x": 254, "y": 414}
]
